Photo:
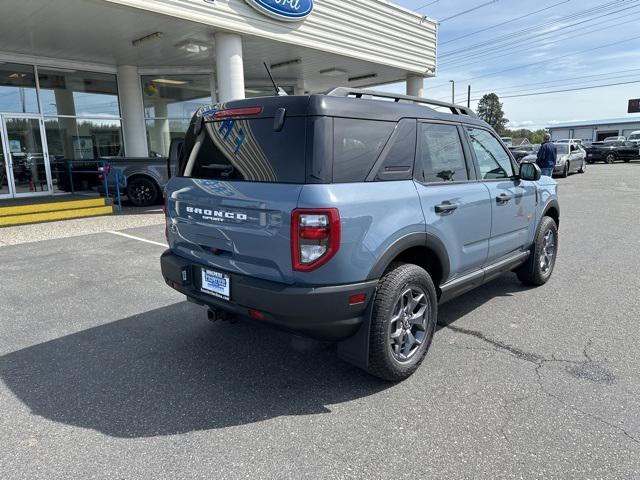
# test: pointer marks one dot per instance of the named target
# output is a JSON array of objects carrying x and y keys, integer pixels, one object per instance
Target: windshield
[
  {"x": 634, "y": 136},
  {"x": 562, "y": 149}
]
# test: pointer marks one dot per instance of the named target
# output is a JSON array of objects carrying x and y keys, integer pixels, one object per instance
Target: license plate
[{"x": 216, "y": 284}]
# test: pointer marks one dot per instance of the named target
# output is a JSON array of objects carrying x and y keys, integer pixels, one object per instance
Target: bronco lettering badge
[{"x": 216, "y": 215}]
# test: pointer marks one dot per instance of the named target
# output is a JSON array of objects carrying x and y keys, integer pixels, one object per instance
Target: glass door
[
  {"x": 25, "y": 159},
  {"x": 5, "y": 181}
]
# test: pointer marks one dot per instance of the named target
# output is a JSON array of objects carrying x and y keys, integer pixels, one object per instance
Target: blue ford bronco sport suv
[{"x": 350, "y": 216}]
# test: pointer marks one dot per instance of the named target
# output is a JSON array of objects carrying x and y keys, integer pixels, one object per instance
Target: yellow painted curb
[
  {"x": 51, "y": 216},
  {"x": 51, "y": 207}
]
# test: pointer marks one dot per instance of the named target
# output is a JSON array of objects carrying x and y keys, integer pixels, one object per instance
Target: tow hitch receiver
[{"x": 215, "y": 315}]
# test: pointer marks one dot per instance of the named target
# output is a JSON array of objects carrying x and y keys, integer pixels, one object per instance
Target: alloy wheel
[
  {"x": 547, "y": 252},
  {"x": 143, "y": 193},
  {"x": 408, "y": 324}
]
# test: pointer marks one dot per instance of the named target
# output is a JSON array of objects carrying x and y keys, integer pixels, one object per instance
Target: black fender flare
[
  {"x": 553, "y": 203},
  {"x": 416, "y": 239}
]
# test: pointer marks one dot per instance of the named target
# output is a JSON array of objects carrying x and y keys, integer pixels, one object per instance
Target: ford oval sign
[{"x": 287, "y": 10}]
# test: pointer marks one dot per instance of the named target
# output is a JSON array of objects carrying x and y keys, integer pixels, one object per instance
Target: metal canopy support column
[
  {"x": 132, "y": 110},
  {"x": 229, "y": 66},
  {"x": 415, "y": 85}
]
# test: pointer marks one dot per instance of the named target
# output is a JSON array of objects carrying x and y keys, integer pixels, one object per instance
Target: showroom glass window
[
  {"x": 18, "y": 92},
  {"x": 81, "y": 115},
  {"x": 169, "y": 103}
]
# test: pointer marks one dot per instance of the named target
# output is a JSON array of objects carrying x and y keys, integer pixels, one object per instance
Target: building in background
[
  {"x": 595, "y": 130},
  {"x": 81, "y": 79}
]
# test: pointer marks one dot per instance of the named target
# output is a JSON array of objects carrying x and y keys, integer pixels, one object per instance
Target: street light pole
[
  {"x": 453, "y": 91},
  {"x": 468, "y": 96}
]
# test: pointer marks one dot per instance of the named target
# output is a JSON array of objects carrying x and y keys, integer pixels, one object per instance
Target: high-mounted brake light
[
  {"x": 234, "y": 112},
  {"x": 315, "y": 237}
]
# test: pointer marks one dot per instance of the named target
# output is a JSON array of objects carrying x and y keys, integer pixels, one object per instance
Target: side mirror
[
  {"x": 530, "y": 171},
  {"x": 173, "y": 160}
]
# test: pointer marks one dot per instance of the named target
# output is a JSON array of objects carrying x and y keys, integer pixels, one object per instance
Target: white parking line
[{"x": 138, "y": 238}]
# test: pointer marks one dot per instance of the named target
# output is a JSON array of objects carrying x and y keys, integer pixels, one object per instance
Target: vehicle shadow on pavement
[{"x": 170, "y": 371}]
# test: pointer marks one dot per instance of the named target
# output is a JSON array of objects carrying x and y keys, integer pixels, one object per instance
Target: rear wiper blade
[{"x": 218, "y": 166}]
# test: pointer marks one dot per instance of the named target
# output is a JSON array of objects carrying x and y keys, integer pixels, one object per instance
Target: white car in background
[{"x": 634, "y": 137}]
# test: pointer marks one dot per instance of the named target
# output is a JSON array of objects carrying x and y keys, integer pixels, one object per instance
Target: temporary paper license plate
[{"x": 216, "y": 284}]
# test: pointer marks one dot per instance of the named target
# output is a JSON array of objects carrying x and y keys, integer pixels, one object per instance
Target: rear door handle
[
  {"x": 446, "y": 207},
  {"x": 503, "y": 198}
]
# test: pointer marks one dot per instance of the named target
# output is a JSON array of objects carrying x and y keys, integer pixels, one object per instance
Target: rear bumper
[{"x": 318, "y": 311}]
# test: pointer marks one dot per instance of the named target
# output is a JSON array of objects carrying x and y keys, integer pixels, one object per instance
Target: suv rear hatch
[{"x": 239, "y": 181}]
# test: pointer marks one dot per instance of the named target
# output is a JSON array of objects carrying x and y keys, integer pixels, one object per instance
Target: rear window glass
[
  {"x": 250, "y": 150},
  {"x": 356, "y": 147}
]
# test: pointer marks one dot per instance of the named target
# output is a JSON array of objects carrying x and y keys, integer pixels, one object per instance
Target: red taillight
[
  {"x": 315, "y": 237},
  {"x": 307, "y": 233},
  {"x": 235, "y": 112}
]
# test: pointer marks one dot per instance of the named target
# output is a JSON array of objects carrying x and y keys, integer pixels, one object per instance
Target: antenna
[{"x": 279, "y": 92}]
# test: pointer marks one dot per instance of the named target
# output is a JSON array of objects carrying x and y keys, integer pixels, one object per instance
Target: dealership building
[
  {"x": 85, "y": 79},
  {"x": 595, "y": 130}
]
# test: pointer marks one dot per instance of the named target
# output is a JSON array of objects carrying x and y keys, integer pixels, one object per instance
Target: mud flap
[{"x": 355, "y": 349}]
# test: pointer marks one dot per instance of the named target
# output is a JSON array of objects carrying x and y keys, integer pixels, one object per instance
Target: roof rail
[{"x": 359, "y": 93}]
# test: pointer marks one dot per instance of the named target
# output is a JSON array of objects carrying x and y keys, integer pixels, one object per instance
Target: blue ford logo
[{"x": 287, "y": 10}]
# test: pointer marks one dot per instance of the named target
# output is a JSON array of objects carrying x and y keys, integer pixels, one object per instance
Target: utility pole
[
  {"x": 468, "y": 96},
  {"x": 453, "y": 91}
]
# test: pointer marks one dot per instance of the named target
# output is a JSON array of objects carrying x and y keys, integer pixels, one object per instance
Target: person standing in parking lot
[{"x": 547, "y": 156}]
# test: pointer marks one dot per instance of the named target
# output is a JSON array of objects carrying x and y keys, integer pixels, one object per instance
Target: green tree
[
  {"x": 537, "y": 136},
  {"x": 490, "y": 110}
]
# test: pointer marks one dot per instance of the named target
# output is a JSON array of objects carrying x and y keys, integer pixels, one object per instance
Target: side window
[
  {"x": 441, "y": 154},
  {"x": 493, "y": 161},
  {"x": 399, "y": 153},
  {"x": 356, "y": 147}
]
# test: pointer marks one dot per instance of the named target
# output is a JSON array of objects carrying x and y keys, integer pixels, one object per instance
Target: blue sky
[{"x": 564, "y": 46}]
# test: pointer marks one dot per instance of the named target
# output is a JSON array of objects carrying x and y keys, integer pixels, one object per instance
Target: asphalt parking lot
[{"x": 107, "y": 373}]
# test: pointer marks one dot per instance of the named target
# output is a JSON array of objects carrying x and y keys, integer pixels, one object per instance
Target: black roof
[{"x": 365, "y": 105}]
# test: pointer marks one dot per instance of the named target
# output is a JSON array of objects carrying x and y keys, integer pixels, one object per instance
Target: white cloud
[{"x": 521, "y": 124}]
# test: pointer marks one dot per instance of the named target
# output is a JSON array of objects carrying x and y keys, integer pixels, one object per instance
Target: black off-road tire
[
  {"x": 531, "y": 272},
  {"x": 397, "y": 278},
  {"x": 142, "y": 191}
]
